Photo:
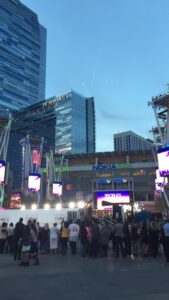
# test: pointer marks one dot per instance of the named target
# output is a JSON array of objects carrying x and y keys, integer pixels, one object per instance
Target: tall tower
[
  {"x": 22, "y": 56},
  {"x": 160, "y": 105}
]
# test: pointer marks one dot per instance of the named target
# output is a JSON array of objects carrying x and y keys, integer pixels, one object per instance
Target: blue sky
[{"x": 114, "y": 50}]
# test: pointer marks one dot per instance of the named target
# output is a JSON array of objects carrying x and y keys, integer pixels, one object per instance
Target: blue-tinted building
[
  {"x": 66, "y": 122},
  {"x": 75, "y": 123},
  {"x": 22, "y": 56}
]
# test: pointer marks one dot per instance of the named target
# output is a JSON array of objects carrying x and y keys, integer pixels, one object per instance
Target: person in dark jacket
[
  {"x": 154, "y": 238},
  {"x": 83, "y": 240},
  {"x": 95, "y": 237},
  {"x": 26, "y": 246},
  {"x": 127, "y": 239},
  {"x": 118, "y": 238},
  {"x": 104, "y": 239},
  {"x": 18, "y": 236},
  {"x": 144, "y": 237}
]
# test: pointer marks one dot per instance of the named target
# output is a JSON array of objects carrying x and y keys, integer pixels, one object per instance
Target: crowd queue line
[{"x": 89, "y": 238}]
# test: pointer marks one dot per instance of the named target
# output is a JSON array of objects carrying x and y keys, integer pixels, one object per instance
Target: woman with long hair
[{"x": 34, "y": 244}]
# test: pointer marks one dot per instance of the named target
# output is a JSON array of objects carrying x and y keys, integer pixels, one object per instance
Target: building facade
[
  {"x": 66, "y": 122},
  {"x": 85, "y": 175},
  {"x": 130, "y": 141},
  {"x": 22, "y": 56},
  {"x": 75, "y": 123}
]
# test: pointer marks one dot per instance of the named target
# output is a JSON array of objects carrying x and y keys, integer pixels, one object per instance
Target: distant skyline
[{"x": 115, "y": 51}]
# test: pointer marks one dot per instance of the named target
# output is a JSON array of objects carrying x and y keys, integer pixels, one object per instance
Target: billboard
[
  {"x": 34, "y": 182},
  {"x": 36, "y": 157},
  {"x": 57, "y": 188},
  {"x": 160, "y": 180},
  {"x": 15, "y": 201},
  {"x": 2, "y": 171},
  {"x": 105, "y": 199},
  {"x": 163, "y": 161},
  {"x": 158, "y": 188}
]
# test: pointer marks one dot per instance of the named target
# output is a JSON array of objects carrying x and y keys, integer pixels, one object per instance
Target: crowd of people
[{"x": 89, "y": 238}]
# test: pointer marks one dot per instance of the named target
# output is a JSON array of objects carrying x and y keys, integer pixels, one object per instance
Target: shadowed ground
[{"x": 67, "y": 277}]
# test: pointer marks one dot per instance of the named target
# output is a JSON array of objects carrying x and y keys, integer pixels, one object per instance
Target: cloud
[{"x": 108, "y": 115}]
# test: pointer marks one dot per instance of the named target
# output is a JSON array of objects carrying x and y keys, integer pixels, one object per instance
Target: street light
[
  {"x": 23, "y": 207},
  {"x": 81, "y": 204},
  {"x": 34, "y": 207},
  {"x": 71, "y": 205},
  {"x": 46, "y": 206},
  {"x": 58, "y": 206}
]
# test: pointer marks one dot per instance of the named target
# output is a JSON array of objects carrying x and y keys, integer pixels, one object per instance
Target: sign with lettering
[
  {"x": 54, "y": 100},
  {"x": 105, "y": 199},
  {"x": 108, "y": 167}
]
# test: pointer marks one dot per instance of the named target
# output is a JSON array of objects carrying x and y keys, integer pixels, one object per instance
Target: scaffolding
[
  {"x": 160, "y": 105},
  {"x": 54, "y": 169},
  {"x": 28, "y": 163},
  {"x": 5, "y": 127}
]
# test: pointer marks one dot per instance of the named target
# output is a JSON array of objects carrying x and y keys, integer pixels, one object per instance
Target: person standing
[
  {"x": 3, "y": 236},
  {"x": 18, "y": 236},
  {"x": 83, "y": 239},
  {"x": 73, "y": 237},
  {"x": 44, "y": 238},
  {"x": 144, "y": 238},
  {"x": 105, "y": 234},
  {"x": 64, "y": 233},
  {"x": 95, "y": 239},
  {"x": 118, "y": 238},
  {"x": 127, "y": 240},
  {"x": 34, "y": 244},
  {"x": 166, "y": 239},
  {"x": 134, "y": 238},
  {"x": 26, "y": 246},
  {"x": 154, "y": 238},
  {"x": 10, "y": 239},
  {"x": 54, "y": 238}
]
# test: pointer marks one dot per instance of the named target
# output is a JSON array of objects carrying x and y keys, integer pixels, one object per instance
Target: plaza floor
[{"x": 71, "y": 278}]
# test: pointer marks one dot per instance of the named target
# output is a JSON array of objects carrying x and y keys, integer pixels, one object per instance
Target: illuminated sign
[
  {"x": 34, "y": 182},
  {"x": 15, "y": 201},
  {"x": 160, "y": 181},
  {"x": 2, "y": 171},
  {"x": 111, "y": 167},
  {"x": 56, "y": 99},
  {"x": 57, "y": 169},
  {"x": 106, "y": 199},
  {"x": 57, "y": 188},
  {"x": 163, "y": 161}
]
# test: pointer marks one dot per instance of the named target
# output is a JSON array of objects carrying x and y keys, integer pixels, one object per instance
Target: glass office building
[
  {"x": 66, "y": 122},
  {"x": 22, "y": 56},
  {"x": 75, "y": 124}
]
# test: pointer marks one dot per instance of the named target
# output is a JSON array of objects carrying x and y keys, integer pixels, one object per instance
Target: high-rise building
[
  {"x": 130, "y": 141},
  {"x": 66, "y": 122},
  {"x": 22, "y": 56}
]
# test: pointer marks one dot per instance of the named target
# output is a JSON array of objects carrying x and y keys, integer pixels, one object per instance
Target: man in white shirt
[{"x": 73, "y": 236}]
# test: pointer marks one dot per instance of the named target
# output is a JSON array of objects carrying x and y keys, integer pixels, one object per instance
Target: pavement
[{"x": 71, "y": 277}]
